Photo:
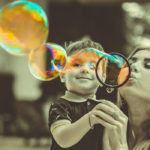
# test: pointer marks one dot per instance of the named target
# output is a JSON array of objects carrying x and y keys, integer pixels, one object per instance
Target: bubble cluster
[
  {"x": 23, "y": 27},
  {"x": 46, "y": 62},
  {"x": 24, "y": 30}
]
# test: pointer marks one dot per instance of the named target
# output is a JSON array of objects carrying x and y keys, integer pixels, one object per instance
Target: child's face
[{"x": 79, "y": 75}]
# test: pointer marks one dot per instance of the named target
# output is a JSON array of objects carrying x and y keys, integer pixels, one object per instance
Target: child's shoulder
[{"x": 60, "y": 101}]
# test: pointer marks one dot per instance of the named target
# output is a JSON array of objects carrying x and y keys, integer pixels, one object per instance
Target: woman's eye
[
  {"x": 130, "y": 62},
  {"x": 147, "y": 65}
]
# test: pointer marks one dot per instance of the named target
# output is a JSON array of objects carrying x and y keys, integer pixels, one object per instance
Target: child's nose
[{"x": 85, "y": 69}]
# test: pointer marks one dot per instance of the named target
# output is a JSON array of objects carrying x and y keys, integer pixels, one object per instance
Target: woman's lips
[{"x": 133, "y": 75}]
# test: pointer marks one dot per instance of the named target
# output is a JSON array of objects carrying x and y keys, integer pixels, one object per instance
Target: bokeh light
[
  {"x": 47, "y": 61},
  {"x": 136, "y": 25},
  {"x": 23, "y": 27}
]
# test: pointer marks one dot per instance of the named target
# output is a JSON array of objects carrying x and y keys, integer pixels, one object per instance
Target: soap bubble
[
  {"x": 23, "y": 27},
  {"x": 47, "y": 61},
  {"x": 117, "y": 70}
]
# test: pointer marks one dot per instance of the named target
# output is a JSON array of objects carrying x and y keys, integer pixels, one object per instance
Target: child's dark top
[{"x": 68, "y": 109}]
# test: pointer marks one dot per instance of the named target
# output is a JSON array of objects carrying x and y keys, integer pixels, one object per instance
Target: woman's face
[{"x": 139, "y": 81}]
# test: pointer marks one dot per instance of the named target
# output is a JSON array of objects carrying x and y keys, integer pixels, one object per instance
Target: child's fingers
[
  {"x": 107, "y": 109},
  {"x": 115, "y": 107},
  {"x": 110, "y": 111},
  {"x": 105, "y": 123},
  {"x": 100, "y": 115}
]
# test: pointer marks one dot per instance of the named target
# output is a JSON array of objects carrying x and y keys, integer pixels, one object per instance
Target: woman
[{"x": 134, "y": 100}]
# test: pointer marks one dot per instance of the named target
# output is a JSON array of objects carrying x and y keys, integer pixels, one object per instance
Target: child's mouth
[{"x": 85, "y": 78}]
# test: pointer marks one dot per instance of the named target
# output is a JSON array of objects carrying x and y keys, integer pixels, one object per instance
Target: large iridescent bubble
[
  {"x": 23, "y": 27},
  {"x": 47, "y": 61},
  {"x": 117, "y": 70}
]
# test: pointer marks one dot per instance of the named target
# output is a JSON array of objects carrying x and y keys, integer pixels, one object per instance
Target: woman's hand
[{"x": 115, "y": 122}]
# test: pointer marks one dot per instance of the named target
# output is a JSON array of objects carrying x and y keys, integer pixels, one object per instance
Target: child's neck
[
  {"x": 75, "y": 95},
  {"x": 86, "y": 96}
]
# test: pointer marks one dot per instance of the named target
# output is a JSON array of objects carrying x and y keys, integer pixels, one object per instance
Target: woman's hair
[
  {"x": 73, "y": 47},
  {"x": 121, "y": 102}
]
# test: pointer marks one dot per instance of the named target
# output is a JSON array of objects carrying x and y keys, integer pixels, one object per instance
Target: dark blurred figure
[{"x": 7, "y": 103}]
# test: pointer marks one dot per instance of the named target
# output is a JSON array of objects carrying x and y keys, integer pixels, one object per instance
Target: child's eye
[{"x": 76, "y": 65}]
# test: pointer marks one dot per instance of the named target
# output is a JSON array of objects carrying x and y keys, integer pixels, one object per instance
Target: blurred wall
[{"x": 72, "y": 21}]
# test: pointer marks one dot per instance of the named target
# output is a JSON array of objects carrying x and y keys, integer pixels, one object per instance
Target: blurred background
[{"x": 119, "y": 25}]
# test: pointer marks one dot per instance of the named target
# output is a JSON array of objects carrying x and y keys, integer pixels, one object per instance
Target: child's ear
[{"x": 62, "y": 78}]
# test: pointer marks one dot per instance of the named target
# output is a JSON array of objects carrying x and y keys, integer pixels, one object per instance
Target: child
[{"x": 70, "y": 121}]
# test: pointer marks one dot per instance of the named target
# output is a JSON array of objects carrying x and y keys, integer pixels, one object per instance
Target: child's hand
[{"x": 114, "y": 120}]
